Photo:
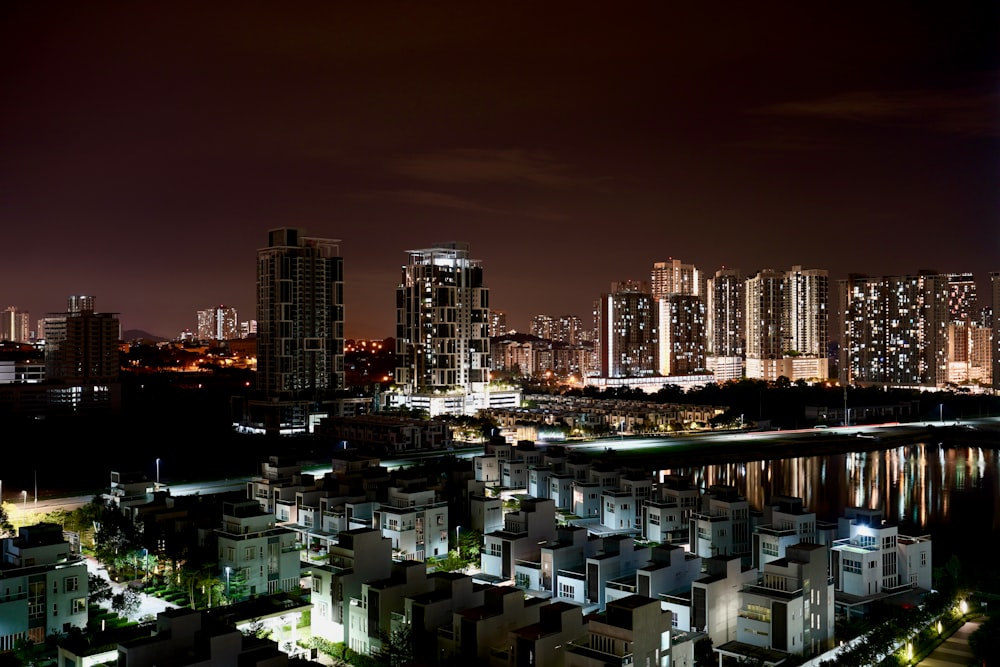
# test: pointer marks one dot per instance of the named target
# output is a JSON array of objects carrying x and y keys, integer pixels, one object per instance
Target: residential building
[
  {"x": 359, "y": 555},
  {"x": 725, "y": 326},
  {"x": 442, "y": 321},
  {"x": 498, "y": 323},
  {"x": 256, "y": 557},
  {"x": 615, "y": 561},
  {"x": 787, "y": 316},
  {"x": 43, "y": 586},
  {"x": 545, "y": 642},
  {"x": 15, "y": 326},
  {"x": 722, "y": 527},
  {"x": 479, "y": 635},
  {"x": 785, "y": 524},
  {"x": 682, "y": 335},
  {"x": 790, "y": 609},
  {"x": 523, "y": 532},
  {"x": 895, "y": 330},
  {"x": 81, "y": 345},
  {"x": 432, "y": 611},
  {"x": 189, "y": 638},
  {"x": 416, "y": 523},
  {"x": 218, "y": 323},
  {"x": 300, "y": 316},
  {"x": 627, "y": 331},
  {"x": 675, "y": 277},
  {"x": 631, "y": 631},
  {"x": 379, "y": 611},
  {"x": 871, "y": 560},
  {"x": 995, "y": 347}
]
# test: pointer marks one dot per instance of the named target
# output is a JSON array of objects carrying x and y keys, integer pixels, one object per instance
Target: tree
[
  {"x": 125, "y": 603},
  {"x": 99, "y": 587},
  {"x": 704, "y": 656},
  {"x": 6, "y": 527},
  {"x": 985, "y": 642},
  {"x": 397, "y": 647}
]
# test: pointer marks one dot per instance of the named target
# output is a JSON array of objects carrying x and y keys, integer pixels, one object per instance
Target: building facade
[
  {"x": 442, "y": 321},
  {"x": 218, "y": 323},
  {"x": 895, "y": 330},
  {"x": 627, "y": 331},
  {"x": 300, "y": 315}
]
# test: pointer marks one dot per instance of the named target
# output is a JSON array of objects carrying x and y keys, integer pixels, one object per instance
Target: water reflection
[{"x": 925, "y": 488}]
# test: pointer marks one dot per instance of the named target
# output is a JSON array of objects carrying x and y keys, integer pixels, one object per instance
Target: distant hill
[{"x": 139, "y": 334}]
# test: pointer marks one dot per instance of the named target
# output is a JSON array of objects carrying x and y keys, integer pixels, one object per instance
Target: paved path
[
  {"x": 148, "y": 604},
  {"x": 955, "y": 650}
]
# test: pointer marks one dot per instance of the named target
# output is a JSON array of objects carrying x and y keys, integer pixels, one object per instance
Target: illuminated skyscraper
[
  {"x": 787, "y": 320},
  {"x": 218, "y": 323},
  {"x": 726, "y": 321},
  {"x": 673, "y": 277},
  {"x": 995, "y": 316},
  {"x": 15, "y": 326},
  {"x": 498, "y": 323},
  {"x": 682, "y": 335},
  {"x": 627, "y": 331},
  {"x": 961, "y": 296},
  {"x": 895, "y": 330},
  {"x": 81, "y": 345},
  {"x": 300, "y": 315},
  {"x": 442, "y": 321}
]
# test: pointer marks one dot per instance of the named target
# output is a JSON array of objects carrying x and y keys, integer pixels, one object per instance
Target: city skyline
[{"x": 147, "y": 153}]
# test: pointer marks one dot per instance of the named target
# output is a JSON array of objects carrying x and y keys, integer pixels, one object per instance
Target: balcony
[{"x": 583, "y": 648}]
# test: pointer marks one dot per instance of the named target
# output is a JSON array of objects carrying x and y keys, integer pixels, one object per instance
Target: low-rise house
[
  {"x": 254, "y": 552},
  {"x": 43, "y": 586},
  {"x": 631, "y": 631}
]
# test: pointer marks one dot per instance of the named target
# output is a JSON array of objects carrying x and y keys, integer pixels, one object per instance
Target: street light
[
  {"x": 458, "y": 544},
  {"x": 24, "y": 500},
  {"x": 227, "y": 582},
  {"x": 157, "y": 474}
]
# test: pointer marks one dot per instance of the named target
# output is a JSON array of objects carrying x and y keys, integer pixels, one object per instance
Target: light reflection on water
[{"x": 925, "y": 488}]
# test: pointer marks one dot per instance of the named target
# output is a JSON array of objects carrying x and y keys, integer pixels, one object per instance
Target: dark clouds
[{"x": 146, "y": 149}]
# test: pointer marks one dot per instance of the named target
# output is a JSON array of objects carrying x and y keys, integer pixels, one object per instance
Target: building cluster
[
  {"x": 74, "y": 368},
  {"x": 582, "y": 562},
  {"x": 682, "y": 327}
]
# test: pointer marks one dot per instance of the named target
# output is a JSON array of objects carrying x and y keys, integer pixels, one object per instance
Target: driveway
[{"x": 955, "y": 650}]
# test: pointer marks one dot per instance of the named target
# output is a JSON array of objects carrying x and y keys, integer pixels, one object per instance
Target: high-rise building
[
  {"x": 627, "y": 331},
  {"x": 787, "y": 320},
  {"x": 682, "y": 335},
  {"x": 542, "y": 326},
  {"x": 726, "y": 321},
  {"x": 218, "y": 323},
  {"x": 15, "y": 326},
  {"x": 498, "y": 323},
  {"x": 300, "y": 315},
  {"x": 806, "y": 312},
  {"x": 995, "y": 317},
  {"x": 674, "y": 277},
  {"x": 442, "y": 321},
  {"x": 961, "y": 296},
  {"x": 81, "y": 346},
  {"x": 895, "y": 330}
]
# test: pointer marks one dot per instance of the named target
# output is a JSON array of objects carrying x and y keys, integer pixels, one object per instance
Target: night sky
[{"x": 148, "y": 147}]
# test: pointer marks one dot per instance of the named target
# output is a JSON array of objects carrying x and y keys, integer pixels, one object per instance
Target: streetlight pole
[
  {"x": 458, "y": 543},
  {"x": 227, "y": 583},
  {"x": 157, "y": 474},
  {"x": 24, "y": 501}
]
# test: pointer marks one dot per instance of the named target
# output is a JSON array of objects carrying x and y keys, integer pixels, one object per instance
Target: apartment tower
[
  {"x": 300, "y": 315},
  {"x": 442, "y": 321},
  {"x": 895, "y": 330},
  {"x": 627, "y": 331}
]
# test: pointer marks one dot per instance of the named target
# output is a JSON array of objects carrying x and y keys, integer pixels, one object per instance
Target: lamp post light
[
  {"x": 228, "y": 569},
  {"x": 24, "y": 500},
  {"x": 157, "y": 474},
  {"x": 458, "y": 543}
]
